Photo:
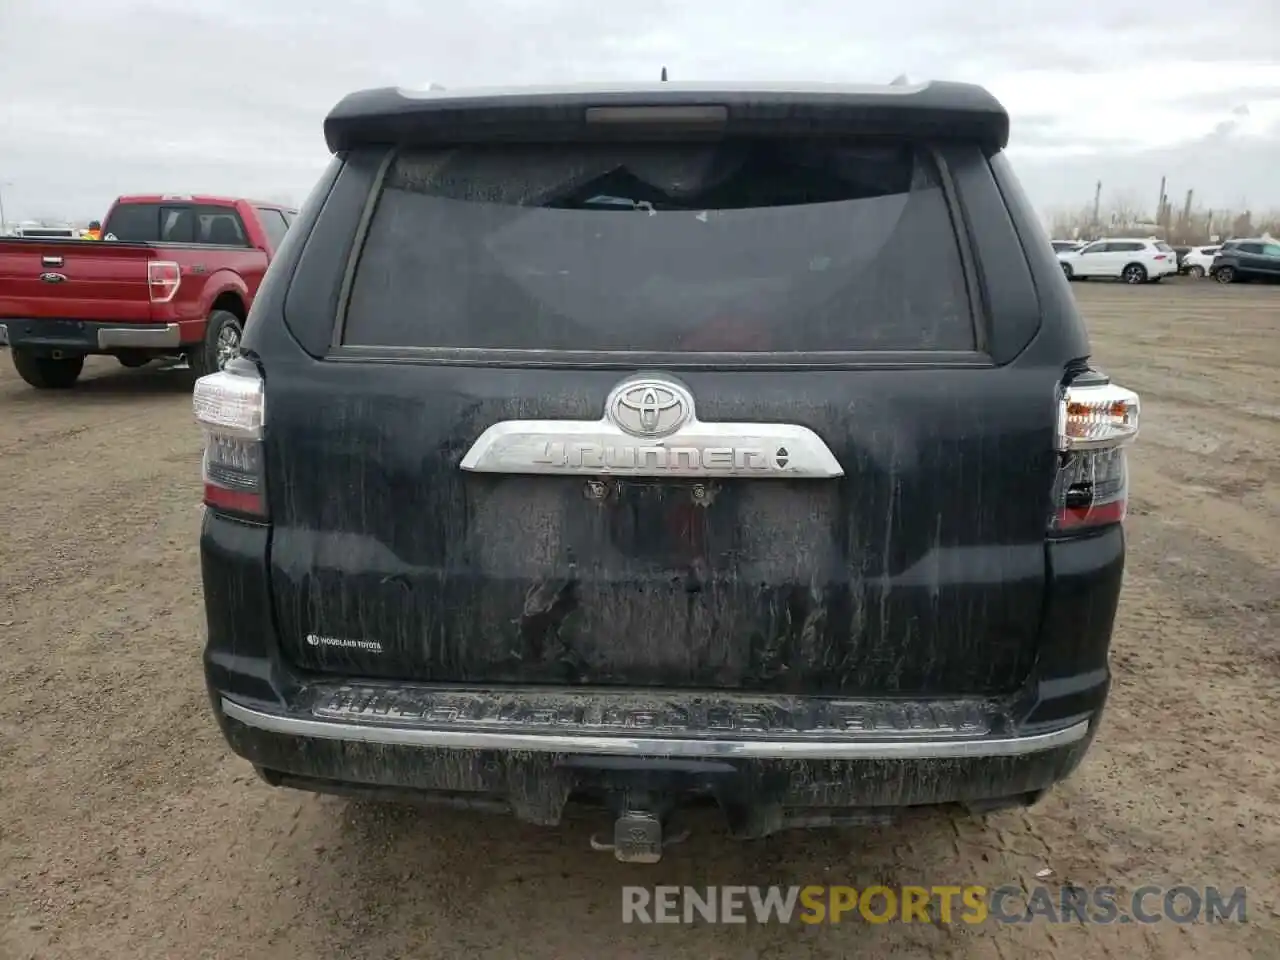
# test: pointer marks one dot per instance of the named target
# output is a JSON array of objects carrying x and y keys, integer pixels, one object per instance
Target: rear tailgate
[
  {"x": 75, "y": 280},
  {"x": 482, "y": 483}
]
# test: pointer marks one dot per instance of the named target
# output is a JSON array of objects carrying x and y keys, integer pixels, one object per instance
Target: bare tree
[
  {"x": 1123, "y": 213},
  {"x": 1070, "y": 223},
  {"x": 1193, "y": 226}
]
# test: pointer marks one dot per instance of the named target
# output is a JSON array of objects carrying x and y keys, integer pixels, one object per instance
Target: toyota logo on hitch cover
[{"x": 650, "y": 407}]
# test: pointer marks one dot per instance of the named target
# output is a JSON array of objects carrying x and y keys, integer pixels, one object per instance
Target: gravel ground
[{"x": 127, "y": 829}]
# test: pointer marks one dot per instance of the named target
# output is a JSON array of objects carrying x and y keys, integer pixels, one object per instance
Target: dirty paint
[{"x": 921, "y": 570}]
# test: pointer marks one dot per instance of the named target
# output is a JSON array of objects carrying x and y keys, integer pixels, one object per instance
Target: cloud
[
  {"x": 1235, "y": 99},
  {"x": 1224, "y": 171},
  {"x": 102, "y": 97}
]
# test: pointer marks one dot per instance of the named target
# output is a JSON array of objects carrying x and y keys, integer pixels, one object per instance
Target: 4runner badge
[{"x": 650, "y": 429}]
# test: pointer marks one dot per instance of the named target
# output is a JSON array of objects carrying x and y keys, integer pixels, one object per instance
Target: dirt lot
[{"x": 128, "y": 830}]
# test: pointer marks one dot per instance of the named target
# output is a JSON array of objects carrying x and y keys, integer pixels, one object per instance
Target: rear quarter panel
[{"x": 207, "y": 273}]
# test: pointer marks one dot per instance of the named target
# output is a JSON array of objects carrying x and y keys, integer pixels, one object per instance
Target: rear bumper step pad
[{"x": 631, "y": 724}]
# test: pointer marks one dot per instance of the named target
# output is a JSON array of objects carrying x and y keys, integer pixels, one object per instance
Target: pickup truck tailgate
[{"x": 75, "y": 280}]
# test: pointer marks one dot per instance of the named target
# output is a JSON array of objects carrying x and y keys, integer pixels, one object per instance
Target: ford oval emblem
[{"x": 52, "y": 277}]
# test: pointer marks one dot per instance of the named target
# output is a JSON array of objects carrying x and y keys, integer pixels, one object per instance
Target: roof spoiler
[{"x": 933, "y": 111}]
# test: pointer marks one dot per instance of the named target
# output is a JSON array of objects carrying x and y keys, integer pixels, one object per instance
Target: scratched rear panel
[{"x": 919, "y": 571}]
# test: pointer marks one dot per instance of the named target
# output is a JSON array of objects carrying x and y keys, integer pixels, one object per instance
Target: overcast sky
[{"x": 102, "y": 97}]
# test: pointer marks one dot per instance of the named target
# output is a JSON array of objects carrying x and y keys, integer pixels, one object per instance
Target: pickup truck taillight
[
  {"x": 163, "y": 279},
  {"x": 229, "y": 408},
  {"x": 1096, "y": 422}
]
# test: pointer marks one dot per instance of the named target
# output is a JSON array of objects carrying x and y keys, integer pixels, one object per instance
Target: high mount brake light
[
  {"x": 1096, "y": 423},
  {"x": 713, "y": 114},
  {"x": 229, "y": 406}
]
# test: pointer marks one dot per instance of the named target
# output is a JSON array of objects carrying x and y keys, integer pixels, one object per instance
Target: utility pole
[
  {"x": 1097, "y": 206},
  {"x": 3, "y": 184},
  {"x": 664, "y": 74},
  {"x": 1160, "y": 203}
]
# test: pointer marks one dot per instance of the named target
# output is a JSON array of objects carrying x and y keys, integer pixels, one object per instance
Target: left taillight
[
  {"x": 229, "y": 406},
  {"x": 1097, "y": 421},
  {"x": 164, "y": 277}
]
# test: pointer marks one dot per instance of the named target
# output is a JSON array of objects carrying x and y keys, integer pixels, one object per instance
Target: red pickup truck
[{"x": 172, "y": 276}]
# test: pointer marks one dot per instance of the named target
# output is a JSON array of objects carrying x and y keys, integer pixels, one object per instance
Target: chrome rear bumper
[{"x": 140, "y": 338}]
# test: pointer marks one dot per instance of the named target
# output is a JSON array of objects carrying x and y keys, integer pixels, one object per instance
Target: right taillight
[
  {"x": 164, "y": 277},
  {"x": 229, "y": 406},
  {"x": 1096, "y": 422}
]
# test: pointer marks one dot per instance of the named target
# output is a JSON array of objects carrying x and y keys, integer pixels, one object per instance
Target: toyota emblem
[{"x": 650, "y": 407}]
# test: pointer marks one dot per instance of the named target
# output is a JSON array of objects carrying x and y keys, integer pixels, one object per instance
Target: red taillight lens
[
  {"x": 1095, "y": 425},
  {"x": 163, "y": 279},
  {"x": 1160, "y": 256},
  {"x": 229, "y": 406},
  {"x": 1092, "y": 489}
]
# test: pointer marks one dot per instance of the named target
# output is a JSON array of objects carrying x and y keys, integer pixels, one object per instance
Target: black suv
[
  {"x": 1239, "y": 260},
  {"x": 665, "y": 445}
]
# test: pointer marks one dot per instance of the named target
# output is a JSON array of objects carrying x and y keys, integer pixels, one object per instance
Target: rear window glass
[
  {"x": 742, "y": 246},
  {"x": 1164, "y": 248},
  {"x": 142, "y": 223},
  {"x": 175, "y": 223}
]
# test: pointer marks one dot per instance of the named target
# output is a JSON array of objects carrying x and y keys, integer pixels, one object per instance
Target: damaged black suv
[{"x": 662, "y": 445}]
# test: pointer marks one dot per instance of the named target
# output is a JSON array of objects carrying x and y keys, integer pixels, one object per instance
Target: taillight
[
  {"x": 163, "y": 279},
  {"x": 1160, "y": 256},
  {"x": 229, "y": 406},
  {"x": 1096, "y": 422}
]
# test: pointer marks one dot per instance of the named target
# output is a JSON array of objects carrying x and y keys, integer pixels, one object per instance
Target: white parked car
[
  {"x": 47, "y": 233},
  {"x": 1131, "y": 259},
  {"x": 1198, "y": 260}
]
